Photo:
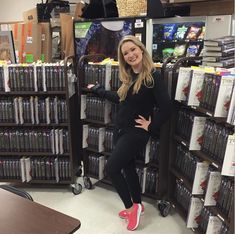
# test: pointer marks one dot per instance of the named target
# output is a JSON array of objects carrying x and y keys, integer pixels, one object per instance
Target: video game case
[
  {"x": 220, "y": 48},
  {"x": 219, "y": 41},
  {"x": 195, "y": 91},
  {"x": 206, "y": 90},
  {"x": 83, "y": 106},
  {"x": 43, "y": 76},
  {"x": 224, "y": 63},
  {"x": 212, "y": 190},
  {"x": 20, "y": 103},
  {"x": 55, "y": 109},
  {"x": 200, "y": 178},
  {"x": 108, "y": 76},
  {"x": 216, "y": 59},
  {"x": 52, "y": 140},
  {"x": 31, "y": 77},
  {"x": 194, "y": 212},
  {"x": 2, "y": 88},
  {"x": 26, "y": 110},
  {"x": 6, "y": 79},
  {"x": 231, "y": 112},
  {"x": 21, "y": 78},
  {"x": 183, "y": 83},
  {"x": 226, "y": 195},
  {"x": 107, "y": 111},
  {"x": 39, "y": 80},
  {"x": 23, "y": 170},
  {"x": 28, "y": 169},
  {"x": 47, "y": 103},
  {"x": 57, "y": 177},
  {"x": 224, "y": 96},
  {"x": 10, "y": 77},
  {"x": 26, "y": 78},
  {"x": 225, "y": 53},
  {"x": 228, "y": 167},
  {"x": 101, "y": 167}
]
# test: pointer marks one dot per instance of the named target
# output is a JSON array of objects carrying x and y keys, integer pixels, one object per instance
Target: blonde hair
[{"x": 125, "y": 69}]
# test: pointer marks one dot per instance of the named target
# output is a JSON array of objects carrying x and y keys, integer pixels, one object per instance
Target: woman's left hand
[{"x": 143, "y": 123}]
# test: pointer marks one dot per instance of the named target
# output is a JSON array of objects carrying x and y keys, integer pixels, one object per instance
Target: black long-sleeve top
[{"x": 142, "y": 103}]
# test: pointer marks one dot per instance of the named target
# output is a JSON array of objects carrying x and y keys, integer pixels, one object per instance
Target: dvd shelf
[
  {"x": 97, "y": 117},
  {"x": 37, "y": 113},
  {"x": 202, "y": 149}
]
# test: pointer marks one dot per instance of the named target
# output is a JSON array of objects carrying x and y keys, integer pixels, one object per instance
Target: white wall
[{"x": 12, "y": 10}]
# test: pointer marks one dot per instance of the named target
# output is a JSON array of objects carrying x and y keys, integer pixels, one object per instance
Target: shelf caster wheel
[
  {"x": 164, "y": 208},
  {"x": 87, "y": 182},
  {"x": 77, "y": 189}
]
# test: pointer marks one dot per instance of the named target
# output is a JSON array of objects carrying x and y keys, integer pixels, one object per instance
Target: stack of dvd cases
[
  {"x": 32, "y": 77},
  {"x": 204, "y": 99},
  {"x": 35, "y": 133},
  {"x": 215, "y": 140}
]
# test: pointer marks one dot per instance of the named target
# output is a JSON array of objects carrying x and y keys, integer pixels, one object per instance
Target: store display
[
  {"x": 215, "y": 155},
  {"x": 93, "y": 37},
  {"x": 186, "y": 38},
  {"x": 35, "y": 133}
]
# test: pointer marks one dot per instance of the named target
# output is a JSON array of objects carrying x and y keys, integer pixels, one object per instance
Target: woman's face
[{"x": 133, "y": 55}]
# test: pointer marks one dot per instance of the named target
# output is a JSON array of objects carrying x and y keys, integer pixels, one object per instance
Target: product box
[
  {"x": 29, "y": 42},
  {"x": 196, "y": 87},
  {"x": 197, "y": 133},
  {"x": 200, "y": 178},
  {"x": 30, "y": 16},
  {"x": 231, "y": 112},
  {"x": 101, "y": 167},
  {"x": 101, "y": 139},
  {"x": 107, "y": 111},
  {"x": 224, "y": 96},
  {"x": 194, "y": 212},
  {"x": 212, "y": 190},
  {"x": 214, "y": 225},
  {"x": 85, "y": 135},
  {"x": 83, "y": 106},
  {"x": 147, "y": 152},
  {"x": 228, "y": 168},
  {"x": 183, "y": 83}
]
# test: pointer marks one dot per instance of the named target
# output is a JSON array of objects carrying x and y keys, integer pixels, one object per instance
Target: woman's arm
[{"x": 111, "y": 96}]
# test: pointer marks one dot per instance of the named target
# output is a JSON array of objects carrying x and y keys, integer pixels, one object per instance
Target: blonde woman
[{"x": 142, "y": 89}]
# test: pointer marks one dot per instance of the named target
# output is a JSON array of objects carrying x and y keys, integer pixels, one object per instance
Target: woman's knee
[{"x": 111, "y": 169}]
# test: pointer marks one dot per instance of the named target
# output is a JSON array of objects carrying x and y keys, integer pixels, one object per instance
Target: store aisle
[{"x": 97, "y": 210}]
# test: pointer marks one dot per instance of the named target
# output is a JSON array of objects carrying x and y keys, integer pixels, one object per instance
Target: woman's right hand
[{"x": 89, "y": 86}]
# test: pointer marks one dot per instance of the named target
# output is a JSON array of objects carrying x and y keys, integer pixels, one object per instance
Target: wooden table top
[{"x": 22, "y": 216}]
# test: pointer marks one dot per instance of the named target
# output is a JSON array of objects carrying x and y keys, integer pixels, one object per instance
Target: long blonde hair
[{"x": 144, "y": 76}]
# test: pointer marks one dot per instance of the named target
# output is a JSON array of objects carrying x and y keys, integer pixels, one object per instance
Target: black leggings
[{"x": 128, "y": 146}]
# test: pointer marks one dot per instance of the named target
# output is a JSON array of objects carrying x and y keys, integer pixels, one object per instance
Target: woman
[{"x": 142, "y": 89}]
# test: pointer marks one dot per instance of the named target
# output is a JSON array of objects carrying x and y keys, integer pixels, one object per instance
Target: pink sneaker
[
  {"x": 134, "y": 217},
  {"x": 124, "y": 214}
]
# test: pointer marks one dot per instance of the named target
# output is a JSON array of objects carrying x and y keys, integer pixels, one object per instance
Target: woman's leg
[
  {"x": 133, "y": 182},
  {"x": 128, "y": 146}
]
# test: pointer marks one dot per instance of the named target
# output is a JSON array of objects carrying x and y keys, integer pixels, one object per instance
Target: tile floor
[{"x": 97, "y": 210}]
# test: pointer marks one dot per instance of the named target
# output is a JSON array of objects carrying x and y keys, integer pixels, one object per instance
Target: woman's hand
[
  {"x": 143, "y": 123},
  {"x": 89, "y": 86}
]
